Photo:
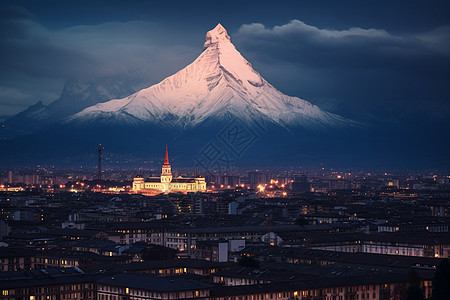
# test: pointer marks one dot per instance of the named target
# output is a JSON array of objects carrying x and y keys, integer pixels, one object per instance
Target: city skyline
[{"x": 234, "y": 150}]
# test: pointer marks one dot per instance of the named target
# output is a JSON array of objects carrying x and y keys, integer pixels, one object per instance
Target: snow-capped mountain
[
  {"x": 77, "y": 94},
  {"x": 219, "y": 84}
]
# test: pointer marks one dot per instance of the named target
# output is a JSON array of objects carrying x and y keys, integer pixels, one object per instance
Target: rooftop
[{"x": 147, "y": 282}]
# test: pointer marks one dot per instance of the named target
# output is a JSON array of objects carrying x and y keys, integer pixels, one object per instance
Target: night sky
[{"x": 372, "y": 61}]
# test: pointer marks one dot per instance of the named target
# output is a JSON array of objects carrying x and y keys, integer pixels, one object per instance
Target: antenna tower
[{"x": 99, "y": 175}]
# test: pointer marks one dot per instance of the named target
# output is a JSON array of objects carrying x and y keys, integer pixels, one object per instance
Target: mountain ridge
[{"x": 76, "y": 95}]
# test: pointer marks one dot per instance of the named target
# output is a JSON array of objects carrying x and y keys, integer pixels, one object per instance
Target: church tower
[
  {"x": 166, "y": 183},
  {"x": 166, "y": 174}
]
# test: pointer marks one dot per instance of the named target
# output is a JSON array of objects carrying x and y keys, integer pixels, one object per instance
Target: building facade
[{"x": 167, "y": 184}]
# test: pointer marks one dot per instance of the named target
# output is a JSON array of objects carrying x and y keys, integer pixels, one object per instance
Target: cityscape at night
[{"x": 242, "y": 150}]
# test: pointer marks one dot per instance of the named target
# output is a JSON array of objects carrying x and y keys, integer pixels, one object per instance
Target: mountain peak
[
  {"x": 218, "y": 34},
  {"x": 219, "y": 84}
]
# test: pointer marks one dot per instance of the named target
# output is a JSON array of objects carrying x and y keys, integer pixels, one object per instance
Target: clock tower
[{"x": 166, "y": 174}]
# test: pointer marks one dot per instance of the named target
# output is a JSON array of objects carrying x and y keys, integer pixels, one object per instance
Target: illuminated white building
[{"x": 167, "y": 184}]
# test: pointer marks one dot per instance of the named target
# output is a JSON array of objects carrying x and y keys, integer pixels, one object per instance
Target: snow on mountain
[
  {"x": 220, "y": 83},
  {"x": 76, "y": 95},
  {"x": 79, "y": 94}
]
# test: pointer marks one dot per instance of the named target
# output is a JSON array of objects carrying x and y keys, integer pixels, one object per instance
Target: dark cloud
[
  {"x": 350, "y": 48},
  {"x": 14, "y": 13},
  {"x": 82, "y": 50},
  {"x": 366, "y": 74},
  {"x": 12, "y": 22},
  {"x": 29, "y": 51}
]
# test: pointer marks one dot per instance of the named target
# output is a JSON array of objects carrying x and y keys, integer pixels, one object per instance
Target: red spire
[{"x": 166, "y": 159}]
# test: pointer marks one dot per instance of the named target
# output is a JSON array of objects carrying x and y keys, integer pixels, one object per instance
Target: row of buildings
[
  {"x": 68, "y": 284},
  {"x": 370, "y": 242},
  {"x": 73, "y": 283}
]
